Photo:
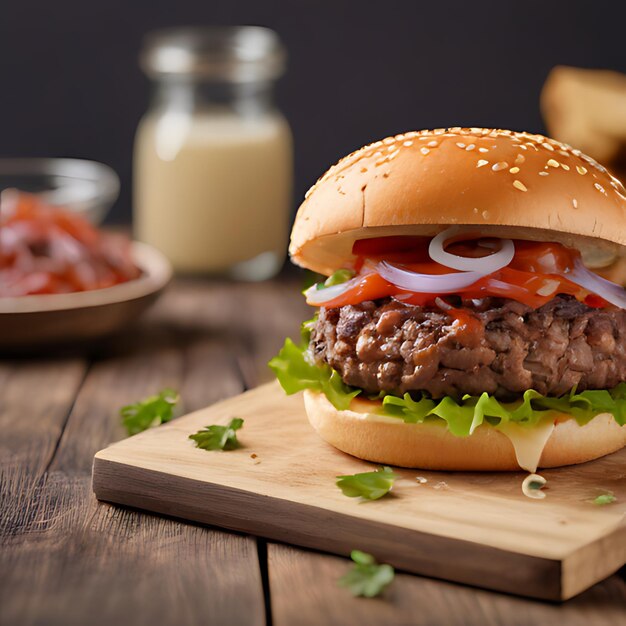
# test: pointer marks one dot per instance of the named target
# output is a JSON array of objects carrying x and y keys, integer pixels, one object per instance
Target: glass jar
[{"x": 213, "y": 163}]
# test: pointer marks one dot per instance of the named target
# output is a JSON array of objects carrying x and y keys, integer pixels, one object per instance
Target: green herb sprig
[
  {"x": 607, "y": 497},
  {"x": 217, "y": 437},
  {"x": 367, "y": 485},
  {"x": 367, "y": 578},
  {"x": 149, "y": 412}
]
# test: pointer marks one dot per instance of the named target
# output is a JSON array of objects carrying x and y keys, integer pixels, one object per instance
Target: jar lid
[{"x": 229, "y": 53}]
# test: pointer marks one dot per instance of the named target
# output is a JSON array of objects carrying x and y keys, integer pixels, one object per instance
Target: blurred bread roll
[{"x": 587, "y": 109}]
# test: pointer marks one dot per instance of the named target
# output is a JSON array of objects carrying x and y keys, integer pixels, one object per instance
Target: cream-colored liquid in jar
[{"x": 213, "y": 190}]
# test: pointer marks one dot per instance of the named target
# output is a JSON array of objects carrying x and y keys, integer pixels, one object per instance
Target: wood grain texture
[
  {"x": 65, "y": 559},
  {"x": 472, "y": 528},
  {"x": 71, "y": 560},
  {"x": 304, "y": 591}
]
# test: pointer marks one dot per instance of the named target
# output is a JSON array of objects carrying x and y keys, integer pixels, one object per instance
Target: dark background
[{"x": 358, "y": 70}]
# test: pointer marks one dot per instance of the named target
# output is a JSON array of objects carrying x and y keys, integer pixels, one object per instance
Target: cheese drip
[{"x": 528, "y": 441}]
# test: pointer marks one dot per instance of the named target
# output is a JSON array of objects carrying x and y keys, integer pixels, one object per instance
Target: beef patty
[{"x": 494, "y": 345}]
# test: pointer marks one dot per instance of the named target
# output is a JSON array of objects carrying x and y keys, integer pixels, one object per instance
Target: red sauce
[
  {"x": 49, "y": 250},
  {"x": 534, "y": 276}
]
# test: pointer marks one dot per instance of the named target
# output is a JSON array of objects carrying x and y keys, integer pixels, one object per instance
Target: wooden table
[{"x": 67, "y": 559}]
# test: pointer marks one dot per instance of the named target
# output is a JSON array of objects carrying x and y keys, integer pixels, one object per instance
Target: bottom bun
[{"x": 430, "y": 445}]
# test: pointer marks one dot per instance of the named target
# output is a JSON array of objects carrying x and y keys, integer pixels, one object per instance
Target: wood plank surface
[
  {"x": 476, "y": 528},
  {"x": 57, "y": 544},
  {"x": 304, "y": 591},
  {"x": 70, "y": 560}
]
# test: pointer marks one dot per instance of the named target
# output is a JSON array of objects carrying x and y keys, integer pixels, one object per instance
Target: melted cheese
[{"x": 528, "y": 442}]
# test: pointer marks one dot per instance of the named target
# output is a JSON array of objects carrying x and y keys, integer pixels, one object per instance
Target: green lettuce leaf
[
  {"x": 296, "y": 371},
  {"x": 367, "y": 485},
  {"x": 464, "y": 417}
]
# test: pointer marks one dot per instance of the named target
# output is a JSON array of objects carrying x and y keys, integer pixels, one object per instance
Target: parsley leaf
[
  {"x": 217, "y": 437},
  {"x": 149, "y": 412},
  {"x": 368, "y": 485},
  {"x": 608, "y": 497},
  {"x": 367, "y": 578}
]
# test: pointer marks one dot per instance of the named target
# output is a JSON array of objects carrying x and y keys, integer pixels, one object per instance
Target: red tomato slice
[
  {"x": 543, "y": 258},
  {"x": 534, "y": 276}
]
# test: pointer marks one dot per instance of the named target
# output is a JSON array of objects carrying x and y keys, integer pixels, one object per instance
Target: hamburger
[{"x": 458, "y": 324}]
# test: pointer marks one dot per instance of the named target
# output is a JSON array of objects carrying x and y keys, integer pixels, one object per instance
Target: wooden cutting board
[{"x": 474, "y": 528}]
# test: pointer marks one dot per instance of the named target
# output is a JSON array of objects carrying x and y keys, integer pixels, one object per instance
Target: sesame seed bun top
[{"x": 419, "y": 183}]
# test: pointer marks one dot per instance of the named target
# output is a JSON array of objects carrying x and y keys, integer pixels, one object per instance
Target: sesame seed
[
  {"x": 599, "y": 187},
  {"x": 483, "y": 150},
  {"x": 581, "y": 170},
  {"x": 389, "y": 140},
  {"x": 460, "y": 145},
  {"x": 544, "y": 174},
  {"x": 514, "y": 170},
  {"x": 575, "y": 203},
  {"x": 391, "y": 148},
  {"x": 482, "y": 162},
  {"x": 523, "y": 147},
  {"x": 475, "y": 210},
  {"x": 552, "y": 163},
  {"x": 547, "y": 146},
  {"x": 565, "y": 167},
  {"x": 485, "y": 214},
  {"x": 519, "y": 159},
  {"x": 408, "y": 144},
  {"x": 470, "y": 147},
  {"x": 394, "y": 154},
  {"x": 432, "y": 144},
  {"x": 424, "y": 151},
  {"x": 501, "y": 165},
  {"x": 519, "y": 185}
]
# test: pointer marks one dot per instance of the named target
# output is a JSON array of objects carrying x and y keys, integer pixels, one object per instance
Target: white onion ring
[
  {"x": 485, "y": 265},
  {"x": 584, "y": 277},
  {"x": 427, "y": 283},
  {"x": 318, "y": 297}
]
